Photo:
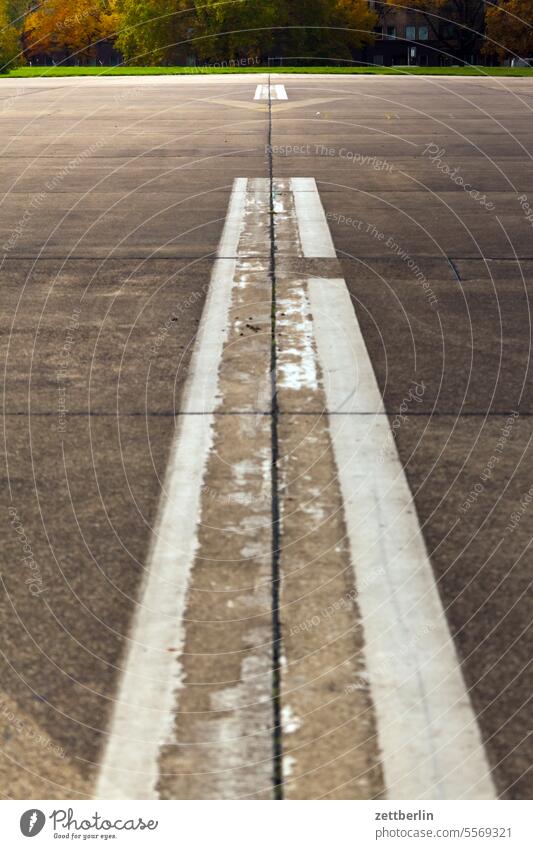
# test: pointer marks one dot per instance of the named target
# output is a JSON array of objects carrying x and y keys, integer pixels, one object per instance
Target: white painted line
[
  {"x": 315, "y": 237},
  {"x": 428, "y": 734},
  {"x": 261, "y": 92},
  {"x": 274, "y": 92},
  {"x": 143, "y": 717}
]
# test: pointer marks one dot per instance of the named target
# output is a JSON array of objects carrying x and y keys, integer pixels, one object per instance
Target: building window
[
  {"x": 423, "y": 33},
  {"x": 391, "y": 32},
  {"x": 410, "y": 33}
]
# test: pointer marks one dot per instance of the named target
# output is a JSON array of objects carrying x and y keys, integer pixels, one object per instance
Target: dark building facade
[{"x": 406, "y": 37}]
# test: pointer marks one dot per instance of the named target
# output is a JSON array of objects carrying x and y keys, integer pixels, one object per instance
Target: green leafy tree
[
  {"x": 10, "y": 49},
  {"x": 325, "y": 28},
  {"x": 236, "y": 30},
  {"x": 169, "y": 31},
  {"x": 155, "y": 32},
  {"x": 16, "y": 11}
]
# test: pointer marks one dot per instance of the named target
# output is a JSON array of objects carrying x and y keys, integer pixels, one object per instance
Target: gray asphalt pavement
[{"x": 114, "y": 196}]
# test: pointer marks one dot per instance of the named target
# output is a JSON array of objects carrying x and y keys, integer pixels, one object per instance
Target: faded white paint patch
[
  {"x": 290, "y": 723},
  {"x": 235, "y": 730},
  {"x": 288, "y": 766},
  {"x": 297, "y": 359}
]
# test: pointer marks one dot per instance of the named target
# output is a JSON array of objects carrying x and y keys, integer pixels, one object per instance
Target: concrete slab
[
  {"x": 78, "y": 510},
  {"x": 470, "y": 476}
]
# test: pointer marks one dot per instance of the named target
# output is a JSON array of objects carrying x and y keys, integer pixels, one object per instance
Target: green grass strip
[{"x": 124, "y": 71}]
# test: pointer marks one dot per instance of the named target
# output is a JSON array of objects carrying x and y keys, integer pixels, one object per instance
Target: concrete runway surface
[{"x": 267, "y": 420}]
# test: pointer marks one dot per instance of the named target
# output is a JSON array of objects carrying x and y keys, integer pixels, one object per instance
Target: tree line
[{"x": 171, "y": 32}]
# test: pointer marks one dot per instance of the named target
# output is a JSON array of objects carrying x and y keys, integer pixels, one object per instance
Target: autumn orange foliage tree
[
  {"x": 510, "y": 29},
  {"x": 66, "y": 27}
]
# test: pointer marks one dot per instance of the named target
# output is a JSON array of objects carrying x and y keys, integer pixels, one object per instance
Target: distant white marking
[
  {"x": 312, "y": 225},
  {"x": 143, "y": 717},
  {"x": 274, "y": 92},
  {"x": 429, "y": 738}
]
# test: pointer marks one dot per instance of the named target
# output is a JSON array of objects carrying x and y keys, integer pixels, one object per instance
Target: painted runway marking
[
  {"x": 430, "y": 745},
  {"x": 261, "y": 92},
  {"x": 315, "y": 237},
  {"x": 429, "y": 738},
  {"x": 145, "y": 705},
  {"x": 273, "y": 92}
]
